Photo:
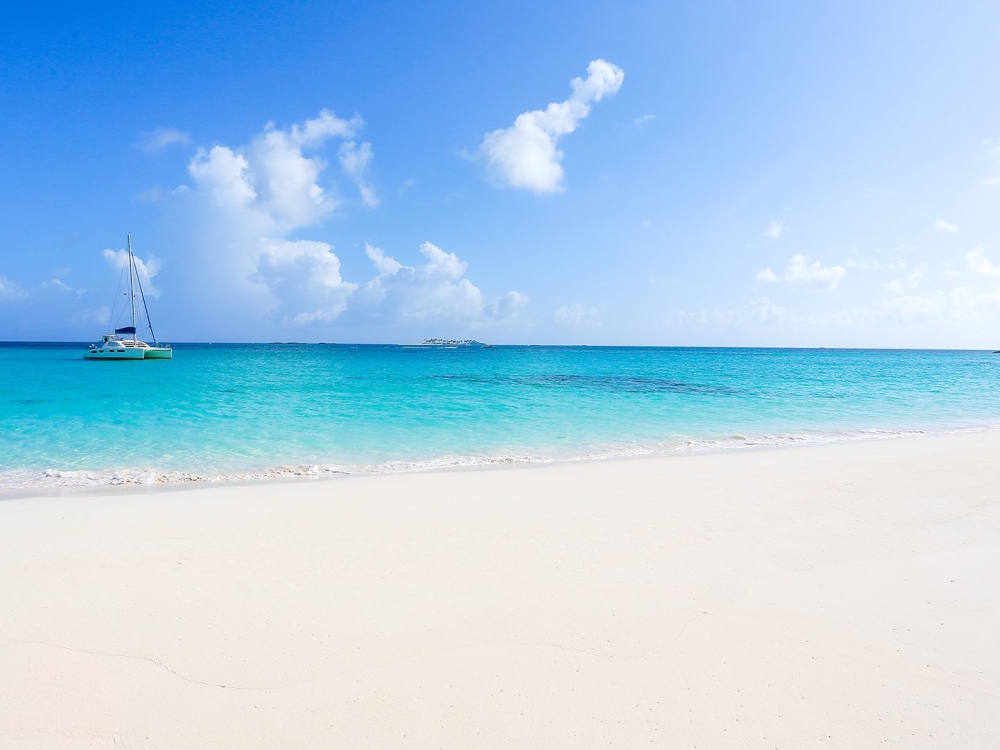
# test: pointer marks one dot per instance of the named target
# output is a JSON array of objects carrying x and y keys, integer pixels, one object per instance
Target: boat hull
[
  {"x": 113, "y": 354},
  {"x": 115, "y": 349}
]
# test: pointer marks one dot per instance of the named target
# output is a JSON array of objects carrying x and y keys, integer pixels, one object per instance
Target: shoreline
[
  {"x": 86, "y": 482},
  {"x": 839, "y": 594}
]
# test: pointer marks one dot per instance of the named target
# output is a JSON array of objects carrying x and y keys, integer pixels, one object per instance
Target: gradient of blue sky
[{"x": 767, "y": 174}]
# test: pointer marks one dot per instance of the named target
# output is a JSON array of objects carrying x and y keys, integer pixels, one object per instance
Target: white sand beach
[{"x": 843, "y": 595}]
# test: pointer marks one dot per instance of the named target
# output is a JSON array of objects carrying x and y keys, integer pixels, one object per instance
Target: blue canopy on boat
[{"x": 126, "y": 329}]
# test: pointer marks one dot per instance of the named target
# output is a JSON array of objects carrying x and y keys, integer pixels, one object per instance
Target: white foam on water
[{"x": 39, "y": 479}]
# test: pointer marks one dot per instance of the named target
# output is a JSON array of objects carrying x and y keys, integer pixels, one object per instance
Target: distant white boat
[
  {"x": 452, "y": 344},
  {"x": 118, "y": 345}
]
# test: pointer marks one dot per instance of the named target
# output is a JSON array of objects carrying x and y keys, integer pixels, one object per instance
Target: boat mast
[
  {"x": 145, "y": 307},
  {"x": 131, "y": 288}
]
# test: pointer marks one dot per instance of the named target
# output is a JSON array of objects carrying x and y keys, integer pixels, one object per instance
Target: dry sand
[{"x": 832, "y": 596}]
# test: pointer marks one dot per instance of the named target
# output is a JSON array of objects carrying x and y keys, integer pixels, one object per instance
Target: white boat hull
[
  {"x": 114, "y": 353},
  {"x": 112, "y": 348}
]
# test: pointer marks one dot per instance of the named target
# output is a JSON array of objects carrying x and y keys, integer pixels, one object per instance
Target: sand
[{"x": 843, "y": 595}]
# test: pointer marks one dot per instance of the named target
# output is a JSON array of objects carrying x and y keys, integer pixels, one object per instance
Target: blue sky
[{"x": 776, "y": 174}]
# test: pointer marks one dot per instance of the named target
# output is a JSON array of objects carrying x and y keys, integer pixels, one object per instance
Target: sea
[{"x": 218, "y": 412}]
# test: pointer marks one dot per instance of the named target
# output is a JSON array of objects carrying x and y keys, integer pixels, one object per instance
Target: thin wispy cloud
[
  {"x": 62, "y": 286},
  {"x": 578, "y": 316},
  {"x": 800, "y": 271},
  {"x": 641, "y": 122},
  {"x": 913, "y": 280},
  {"x": 10, "y": 289},
  {"x": 526, "y": 155},
  {"x": 944, "y": 226},
  {"x": 157, "y": 140},
  {"x": 995, "y": 151},
  {"x": 776, "y": 229},
  {"x": 354, "y": 160}
]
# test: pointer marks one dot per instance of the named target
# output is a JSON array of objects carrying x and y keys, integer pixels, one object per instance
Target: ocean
[{"x": 253, "y": 411}]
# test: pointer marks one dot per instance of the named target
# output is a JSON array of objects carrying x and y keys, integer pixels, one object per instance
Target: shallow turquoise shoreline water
[{"x": 235, "y": 411}]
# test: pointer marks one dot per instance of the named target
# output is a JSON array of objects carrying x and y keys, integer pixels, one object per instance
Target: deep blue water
[{"x": 223, "y": 410}]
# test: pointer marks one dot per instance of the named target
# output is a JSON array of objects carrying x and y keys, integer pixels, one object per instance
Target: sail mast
[
  {"x": 131, "y": 288},
  {"x": 145, "y": 307}
]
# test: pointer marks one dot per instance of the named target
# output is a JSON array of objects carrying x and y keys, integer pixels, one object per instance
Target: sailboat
[{"x": 119, "y": 345}]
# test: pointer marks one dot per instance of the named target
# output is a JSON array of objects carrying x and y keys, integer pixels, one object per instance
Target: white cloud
[
  {"x": 760, "y": 311},
  {"x": 305, "y": 275},
  {"x": 10, "y": 289},
  {"x": 147, "y": 269},
  {"x": 354, "y": 160},
  {"x": 767, "y": 275},
  {"x": 954, "y": 309},
  {"x": 238, "y": 215},
  {"x": 225, "y": 174},
  {"x": 943, "y": 226},
  {"x": 979, "y": 264},
  {"x": 62, "y": 286},
  {"x": 384, "y": 264},
  {"x": 249, "y": 269},
  {"x": 286, "y": 181},
  {"x": 764, "y": 311},
  {"x": 914, "y": 279},
  {"x": 526, "y": 155},
  {"x": 157, "y": 140},
  {"x": 776, "y": 229},
  {"x": 640, "y": 122},
  {"x": 875, "y": 265},
  {"x": 507, "y": 305},
  {"x": 799, "y": 271},
  {"x": 434, "y": 290},
  {"x": 578, "y": 316}
]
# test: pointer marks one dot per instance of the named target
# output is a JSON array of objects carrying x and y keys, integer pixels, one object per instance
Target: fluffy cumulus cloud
[
  {"x": 307, "y": 272},
  {"x": 526, "y": 155},
  {"x": 146, "y": 269},
  {"x": 157, "y": 140},
  {"x": 435, "y": 289},
  {"x": 275, "y": 176},
  {"x": 240, "y": 213},
  {"x": 800, "y": 271},
  {"x": 250, "y": 268},
  {"x": 979, "y": 264}
]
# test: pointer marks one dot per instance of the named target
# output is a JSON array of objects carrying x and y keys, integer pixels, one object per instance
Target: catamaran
[{"x": 118, "y": 345}]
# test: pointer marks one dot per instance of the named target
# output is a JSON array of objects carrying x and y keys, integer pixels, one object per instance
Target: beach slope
[{"x": 842, "y": 595}]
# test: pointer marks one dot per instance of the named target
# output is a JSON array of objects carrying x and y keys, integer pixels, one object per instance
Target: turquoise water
[{"x": 223, "y": 411}]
